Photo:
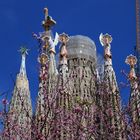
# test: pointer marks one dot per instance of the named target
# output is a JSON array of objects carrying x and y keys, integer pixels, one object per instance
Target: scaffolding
[{"x": 81, "y": 47}]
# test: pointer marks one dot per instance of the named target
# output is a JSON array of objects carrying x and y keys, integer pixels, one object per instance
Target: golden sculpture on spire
[{"x": 43, "y": 59}]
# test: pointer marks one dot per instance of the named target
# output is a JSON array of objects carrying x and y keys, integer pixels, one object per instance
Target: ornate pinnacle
[
  {"x": 64, "y": 38},
  {"x": 131, "y": 60},
  {"x": 105, "y": 41},
  {"x": 23, "y": 51},
  {"x": 48, "y": 22}
]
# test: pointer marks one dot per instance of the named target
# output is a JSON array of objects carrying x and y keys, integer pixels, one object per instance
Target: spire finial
[
  {"x": 63, "y": 38},
  {"x": 131, "y": 60},
  {"x": 105, "y": 40},
  {"x": 24, "y": 52},
  {"x": 48, "y": 22}
]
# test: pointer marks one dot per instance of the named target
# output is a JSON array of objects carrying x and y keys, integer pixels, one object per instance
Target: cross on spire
[{"x": 48, "y": 22}]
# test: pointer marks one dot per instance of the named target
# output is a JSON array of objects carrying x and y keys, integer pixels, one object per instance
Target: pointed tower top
[
  {"x": 24, "y": 52},
  {"x": 64, "y": 38},
  {"x": 131, "y": 60},
  {"x": 48, "y": 22},
  {"x": 105, "y": 39}
]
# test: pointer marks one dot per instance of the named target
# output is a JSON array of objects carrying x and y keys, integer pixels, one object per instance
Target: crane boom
[{"x": 138, "y": 35}]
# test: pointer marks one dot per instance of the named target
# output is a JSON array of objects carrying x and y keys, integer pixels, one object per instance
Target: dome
[{"x": 81, "y": 47}]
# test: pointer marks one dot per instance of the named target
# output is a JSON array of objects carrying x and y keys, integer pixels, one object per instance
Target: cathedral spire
[
  {"x": 132, "y": 61},
  {"x": 134, "y": 100},
  {"x": 20, "y": 111},
  {"x": 111, "y": 97},
  {"x": 47, "y": 75},
  {"x": 63, "y": 97}
]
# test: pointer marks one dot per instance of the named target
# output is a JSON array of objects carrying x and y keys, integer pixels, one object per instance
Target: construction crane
[{"x": 137, "y": 49}]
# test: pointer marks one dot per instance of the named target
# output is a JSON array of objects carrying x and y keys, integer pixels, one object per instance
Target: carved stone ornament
[
  {"x": 64, "y": 38},
  {"x": 105, "y": 39},
  {"x": 131, "y": 60},
  {"x": 43, "y": 59}
]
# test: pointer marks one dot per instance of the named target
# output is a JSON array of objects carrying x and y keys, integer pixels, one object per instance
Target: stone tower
[
  {"x": 47, "y": 78},
  {"x": 114, "y": 126},
  {"x": 82, "y": 80},
  {"x": 76, "y": 88},
  {"x": 63, "y": 101},
  {"x": 82, "y": 67},
  {"x": 20, "y": 111}
]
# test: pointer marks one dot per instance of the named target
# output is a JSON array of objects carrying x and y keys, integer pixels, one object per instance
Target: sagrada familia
[{"x": 76, "y": 100}]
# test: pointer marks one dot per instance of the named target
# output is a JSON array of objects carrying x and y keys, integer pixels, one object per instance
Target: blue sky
[{"x": 19, "y": 18}]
